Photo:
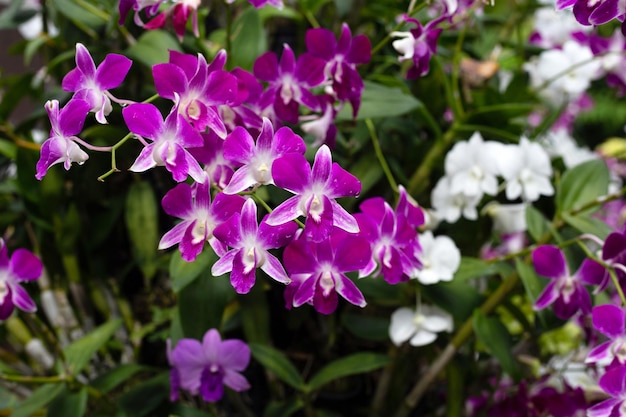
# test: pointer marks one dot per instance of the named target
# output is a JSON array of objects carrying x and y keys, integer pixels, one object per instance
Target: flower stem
[{"x": 380, "y": 156}]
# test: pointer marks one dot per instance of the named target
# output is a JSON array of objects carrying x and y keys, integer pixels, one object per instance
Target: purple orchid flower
[
  {"x": 255, "y": 160},
  {"x": 180, "y": 12},
  {"x": 408, "y": 208},
  {"x": 262, "y": 3},
  {"x": 609, "y": 320},
  {"x": 22, "y": 266},
  {"x": 204, "y": 368},
  {"x": 322, "y": 127},
  {"x": 250, "y": 243},
  {"x": 247, "y": 108},
  {"x": 613, "y": 382},
  {"x": 150, "y": 7},
  {"x": 318, "y": 270},
  {"x": 341, "y": 58},
  {"x": 316, "y": 190},
  {"x": 170, "y": 141},
  {"x": 60, "y": 146},
  {"x": 92, "y": 84},
  {"x": 394, "y": 241},
  {"x": 566, "y": 291},
  {"x": 290, "y": 81},
  {"x": 418, "y": 44},
  {"x": 211, "y": 155},
  {"x": 614, "y": 254},
  {"x": 596, "y": 12},
  {"x": 197, "y": 88},
  {"x": 192, "y": 203}
]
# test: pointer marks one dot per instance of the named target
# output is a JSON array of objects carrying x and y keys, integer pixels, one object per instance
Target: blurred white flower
[
  {"x": 440, "y": 259},
  {"x": 449, "y": 206},
  {"x": 420, "y": 327},
  {"x": 559, "y": 143}
]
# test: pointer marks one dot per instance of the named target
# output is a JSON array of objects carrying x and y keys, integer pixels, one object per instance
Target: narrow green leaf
[
  {"x": 79, "y": 15},
  {"x": 80, "y": 352},
  {"x": 69, "y": 404},
  {"x": 473, "y": 268},
  {"x": 582, "y": 184},
  {"x": 8, "y": 149},
  {"x": 380, "y": 101},
  {"x": 357, "y": 363},
  {"x": 248, "y": 39},
  {"x": 142, "y": 399},
  {"x": 536, "y": 223},
  {"x": 182, "y": 273},
  {"x": 116, "y": 376},
  {"x": 497, "y": 340},
  {"x": 38, "y": 400},
  {"x": 458, "y": 298},
  {"x": 277, "y": 363},
  {"x": 586, "y": 224},
  {"x": 142, "y": 225},
  {"x": 283, "y": 409},
  {"x": 153, "y": 47},
  {"x": 255, "y": 317}
]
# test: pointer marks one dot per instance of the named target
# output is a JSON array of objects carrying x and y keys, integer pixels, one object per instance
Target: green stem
[
  {"x": 399, "y": 26},
  {"x": 113, "y": 160},
  {"x": 380, "y": 156},
  {"x": 420, "y": 178},
  {"x": 34, "y": 379}
]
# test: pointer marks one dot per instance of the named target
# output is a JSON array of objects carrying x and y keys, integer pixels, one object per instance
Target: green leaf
[
  {"x": 8, "y": 149},
  {"x": 283, "y": 409},
  {"x": 248, "y": 39},
  {"x": 366, "y": 327},
  {"x": 368, "y": 170},
  {"x": 41, "y": 397},
  {"x": 586, "y": 224},
  {"x": 69, "y": 404},
  {"x": 533, "y": 285},
  {"x": 142, "y": 224},
  {"x": 255, "y": 317},
  {"x": 380, "y": 101},
  {"x": 474, "y": 268},
  {"x": 182, "y": 273},
  {"x": 87, "y": 21},
  {"x": 143, "y": 399},
  {"x": 80, "y": 352},
  {"x": 357, "y": 363},
  {"x": 536, "y": 223},
  {"x": 458, "y": 298},
  {"x": 116, "y": 376},
  {"x": 581, "y": 185},
  {"x": 277, "y": 363},
  {"x": 201, "y": 304},
  {"x": 497, "y": 340},
  {"x": 153, "y": 47}
]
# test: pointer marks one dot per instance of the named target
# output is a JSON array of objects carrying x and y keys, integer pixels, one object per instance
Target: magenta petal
[
  {"x": 361, "y": 50},
  {"x": 173, "y": 236},
  {"x": 25, "y": 266},
  {"x": 291, "y": 172},
  {"x": 613, "y": 382},
  {"x": 298, "y": 258},
  {"x": 351, "y": 254},
  {"x": 274, "y": 269},
  {"x": 143, "y": 119},
  {"x": 305, "y": 292},
  {"x": 112, "y": 71},
  {"x": 241, "y": 180},
  {"x": 614, "y": 245},
  {"x": 177, "y": 202},
  {"x": 274, "y": 237},
  {"x": 190, "y": 246},
  {"x": 239, "y": 146},
  {"x": 145, "y": 160},
  {"x": 343, "y": 184},
  {"x": 310, "y": 70},
  {"x": 169, "y": 79},
  {"x": 224, "y": 264},
  {"x": 249, "y": 224},
  {"x": 605, "y": 11},
  {"x": 344, "y": 220},
  {"x": 285, "y": 141},
  {"x": 600, "y": 352},
  {"x": 84, "y": 62},
  {"x": 22, "y": 300},
  {"x": 4, "y": 255},
  {"x": 287, "y": 211},
  {"x": 242, "y": 280},
  {"x": 72, "y": 117},
  {"x": 605, "y": 408},
  {"x": 319, "y": 225},
  {"x": 609, "y": 320},
  {"x": 348, "y": 290},
  {"x": 325, "y": 303},
  {"x": 6, "y": 305},
  {"x": 221, "y": 88},
  {"x": 321, "y": 165},
  {"x": 320, "y": 42},
  {"x": 266, "y": 67},
  {"x": 549, "y": 262},
  {"x": 548, "y": 296},
  {"x": 73, "y": 80}
]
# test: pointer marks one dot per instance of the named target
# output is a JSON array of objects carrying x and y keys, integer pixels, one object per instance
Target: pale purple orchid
[
  {"x": 92, "y": 84},
  {"x": 22, "y": 266},
  {"x": 290, "y": 81},
  {"x": 205, "y": 367},
  {"x": 192, "y": 203},
  {"x": 60, "y": 146},
  {"x": 255, "y": 159},
  {"x": 197, "y": 88},
  {"x": 171, "y": 138},
  {"x": 609, "y": 320},
  {"x": 316, "y": 189},
  {"x": 613, "y": 382},
  {"x": 393, "y": 240},
  {"x": 318, "y": 270},
  {"x": 566, "y": 291},
  {"x": 250, "y": 243},
  {"x": 341, "y": 56},
  {"x": 418, "y": 44}
]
